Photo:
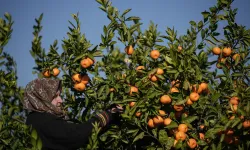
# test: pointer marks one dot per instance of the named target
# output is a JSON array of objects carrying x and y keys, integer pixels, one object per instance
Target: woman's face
[{"x": 57, "y": 101}]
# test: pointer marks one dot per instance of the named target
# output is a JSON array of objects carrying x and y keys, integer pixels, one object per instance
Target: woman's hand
[{"x": 116, "y": 108}]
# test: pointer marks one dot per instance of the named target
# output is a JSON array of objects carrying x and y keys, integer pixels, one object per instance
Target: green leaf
[
  {"x": 39, "y": 144},
  {"x": 132, "y": 131},
  {"x": 205, "y": 14},
  {"x": 172, "y": 125},
  {"x": 219, "y": 146},
  {"x": 102, "y": 8},
  {"x": 34, "y": 134},
  {"x": 132, "y": 18},
  {"x": 79, "y": 57},
  {"x": 1, "y": 124},
  {"x": 97, "y": 53},
  {"x": 100, "y": 91},
  {"x": 186, "y": 85},
  {"x": 224, "y": 2},
  {"x": 198, "y": 73},
  {"x": 168, "y": 59},
  {"x": 248, "y": 108},
  {"x": 99, "y": 1},
  {"x": 132, "y": 28},
  {"x": 215, "y": 39},
  {"x": 203, "y": 33},
  {"x": 222, "y": 138},
  {"x": 193, "y": 23},
  {"x": 10, "y": 111},
  {"x": 160, "y": 77},
  {"x": 154, "y": 131},
  {"x": 213, "y": 147},
  {"x": 235, "y": 74},
  {"x": 7, "y": 16},
  {"x": 200, "y": 24},
  {"x": 213, "y": 9},
  {"x": 125, "y": 12},
  {"x": 211, "y": 42},
  {"x": 126, "y": 116},
  {"x": 6, "y": 141},
  {"x": 189, "y": 119},
  {"x": 236, "y": 122},
  {"x": 201, "y": 143},
  {"x": 113, "y": 42},
  {"x": 215, "y": 97},
  {"x": 139, "y": 136},
  {"x": 103, "y": 39},
  {"x": 163, "y": 136},
  {"x": 105, "y": 30},
  {"x": 179, "y": 144}
]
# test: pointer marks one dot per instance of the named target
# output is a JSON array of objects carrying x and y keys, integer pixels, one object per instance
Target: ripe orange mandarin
[
  {"x": 192, "y": 143},
  {"x": 159, "y": 71},
  {"x": 165, "y": 99},
  {"x": 180, "y": 135},
  {"x": 46, "y": 73},
  {"x": 174, "y": 90},
  {"x": 56, "y": 72},
  {"x": 167, "y": 121},
  {"x": 236, "y": 56},
  {"x": 76, "y": 77},
  {"x": 133, "y": 89},
  {"x": 216, "y": 51},
  {"x": 227, "y": 51},
  {"x": 129, "y": 49},
  {"x": 151, "y": 123},
  {"x": 85, "y": 79},
  {"x": 131, "y": 104},
  {"x": 153, "y": 78},
  {"x": 138, "y": 114},
  {"x": 154, "y": 54},
  {"x": 189, "y": 102},
  {"x": 158, "y": 120},
  {"x": 194, "y": 96},
  {"x": 85, "y": 63},
  {"x": 183, "y": 127},
  {"x": 79, "y": 86},
  {"x": 162, "y": 112}
]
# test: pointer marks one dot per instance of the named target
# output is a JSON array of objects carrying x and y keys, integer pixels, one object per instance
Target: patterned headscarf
[{"x": 39, "y": 94}]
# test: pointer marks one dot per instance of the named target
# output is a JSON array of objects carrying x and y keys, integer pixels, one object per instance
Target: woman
[{"x": 42, "y": 100}]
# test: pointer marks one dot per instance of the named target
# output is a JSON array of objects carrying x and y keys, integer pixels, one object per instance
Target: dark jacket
[{"x": 58, "y": 134}]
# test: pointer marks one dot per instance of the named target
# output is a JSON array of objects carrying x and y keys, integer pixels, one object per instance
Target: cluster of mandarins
[
  {"x": 180, "y": 133},
  {"x": 80, "y": 81},
  {"x": 223, "y": 55},
  {"x": 162, "y": 118},
  {"x": 230, "y": 138},
  {"x": 154, "y": 54},
  {"x": 133, "y": 90},
  {"x": 47, "y": 72},
  {"x": 166, "y": 99}
]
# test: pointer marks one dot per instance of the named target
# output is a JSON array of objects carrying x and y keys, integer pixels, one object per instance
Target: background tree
[{"x": 13, "y": 131}]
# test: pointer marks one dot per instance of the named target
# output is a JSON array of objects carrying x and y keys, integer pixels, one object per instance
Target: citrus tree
[
  {"x": 178, "y": 91},
  {"x": 173, "y": 94}
]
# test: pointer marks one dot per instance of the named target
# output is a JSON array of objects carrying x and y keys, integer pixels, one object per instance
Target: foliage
[{"x": 187, "y": 63}]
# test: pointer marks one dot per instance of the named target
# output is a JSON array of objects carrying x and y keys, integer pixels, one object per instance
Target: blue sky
[{"x": 165, "y": 13}]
